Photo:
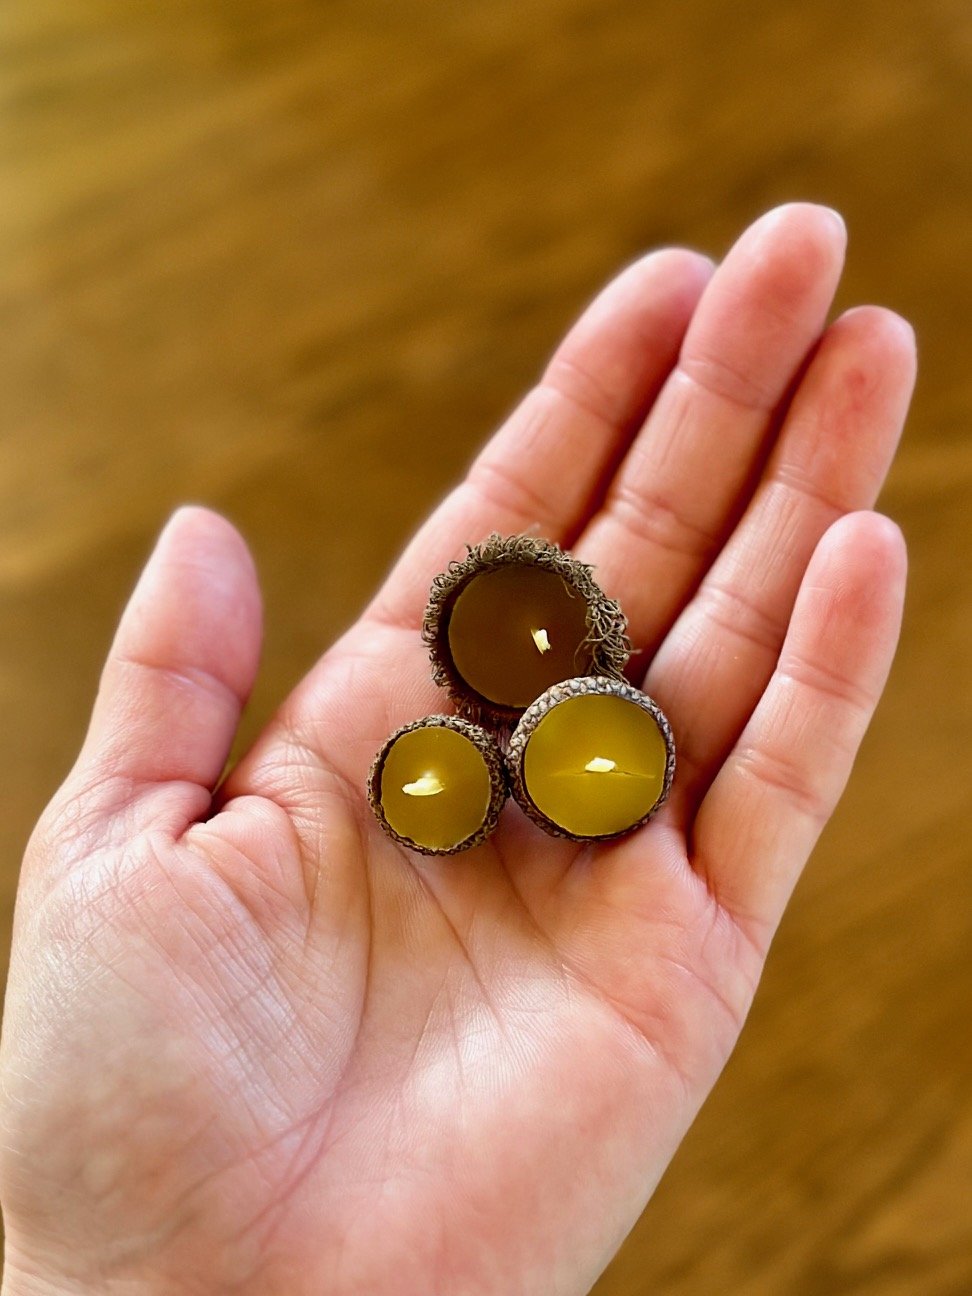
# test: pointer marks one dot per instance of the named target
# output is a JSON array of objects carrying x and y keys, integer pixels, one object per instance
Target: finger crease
[
  {"x": 791, "y": 479},
  {"x": 726, "y": 383},
  {"x": 821, "y": 679},
  {"x": 783, "y": 775},
  {"x": 736, "y": 613},
  {"x": 595, "y": 404},
  {"x": 653, "y": 520},
  {"x": 193, "y": 677},
  {"x": 504, "y": 490}
]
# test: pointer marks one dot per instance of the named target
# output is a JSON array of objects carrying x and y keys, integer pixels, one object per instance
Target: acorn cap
[
  {"x": 573, "y": 688},
  {"x": 492, "y": 758},
  {"x": 606, "y": 642}
]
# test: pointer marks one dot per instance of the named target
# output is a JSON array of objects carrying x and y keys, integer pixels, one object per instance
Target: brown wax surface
[
  {"x": 492, "y": 633},
  {"x": 605, "y": 730},
  {"x": 441, "y": 819}
]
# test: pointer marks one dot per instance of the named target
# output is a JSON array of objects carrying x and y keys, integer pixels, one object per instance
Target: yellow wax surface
[
  {"x": 435, "y": 787},
  {"x": 516, "y": 630},
  {"x": 595, "y": 764}
]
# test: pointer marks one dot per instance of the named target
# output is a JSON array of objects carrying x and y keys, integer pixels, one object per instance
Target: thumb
[{"x": 182, "y": 664}]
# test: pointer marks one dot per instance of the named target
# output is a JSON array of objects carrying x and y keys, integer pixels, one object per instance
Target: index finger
[{"x": 546, "y": 468}]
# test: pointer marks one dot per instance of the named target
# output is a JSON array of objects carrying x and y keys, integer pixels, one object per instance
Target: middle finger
[{"x": 687, "y": 476}]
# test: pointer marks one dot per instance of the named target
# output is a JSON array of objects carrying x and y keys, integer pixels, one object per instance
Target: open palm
[{"x": 253, "y": 1045}]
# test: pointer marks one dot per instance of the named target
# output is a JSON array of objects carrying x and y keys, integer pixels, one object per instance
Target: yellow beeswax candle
[
  {"x": 592, "y": 758},
  {"x": 437, "y": 785}
]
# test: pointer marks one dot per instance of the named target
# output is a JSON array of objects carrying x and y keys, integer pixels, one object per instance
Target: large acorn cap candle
[
  {"x": 515, "y": 616},
  {"x": 438, "y": 785},
  {"x": 591, "y": 759}
]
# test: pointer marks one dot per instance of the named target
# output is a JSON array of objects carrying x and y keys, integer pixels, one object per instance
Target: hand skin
[{"x": 253, "y": 1046}]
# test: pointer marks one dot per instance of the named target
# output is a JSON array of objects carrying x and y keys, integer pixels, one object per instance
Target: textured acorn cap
[
  {"x": 606, "y": 640},
  {"x": 495, "y": 767},
  {"x": 584, "y": 684}
]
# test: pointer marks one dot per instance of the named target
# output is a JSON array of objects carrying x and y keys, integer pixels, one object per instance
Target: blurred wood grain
[{"x": 296, "y": 259}]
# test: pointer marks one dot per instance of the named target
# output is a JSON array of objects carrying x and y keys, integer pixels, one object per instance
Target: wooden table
[{"x": 296, "y": 259}]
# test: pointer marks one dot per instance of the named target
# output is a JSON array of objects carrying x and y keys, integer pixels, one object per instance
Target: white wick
[
  {"x": 427, "y": 785},
  {"x": 541, "y": 640}
]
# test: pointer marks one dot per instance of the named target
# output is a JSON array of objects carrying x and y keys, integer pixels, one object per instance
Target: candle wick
[
  {"x": 541, "y": 639},
  {"x": 427, "y": 785},
  {"x": 601, "y": 765}
]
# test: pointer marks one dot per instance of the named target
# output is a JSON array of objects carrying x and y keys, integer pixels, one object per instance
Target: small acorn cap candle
[
  {"x": 438, "y": 785},
  {"x": 513, "y": 617},
  {"x": 591, "y": 759}
]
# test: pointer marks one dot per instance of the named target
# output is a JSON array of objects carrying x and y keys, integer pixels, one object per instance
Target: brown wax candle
[
  {"x": 513, "y": 618},
  {"x": 592, "y": 758},
  {"x": 514, "y": 631},
  {"x": 437, "y": 785}
]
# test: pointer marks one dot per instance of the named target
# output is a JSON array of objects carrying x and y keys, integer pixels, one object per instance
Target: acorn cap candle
[
  {"x": 514, "y": 617},
  {"x": 591, "y": 759},
  {"x": 438, "y": 785}
]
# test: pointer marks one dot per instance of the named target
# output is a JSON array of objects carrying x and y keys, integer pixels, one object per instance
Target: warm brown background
[{"x": 296, "y": 258}]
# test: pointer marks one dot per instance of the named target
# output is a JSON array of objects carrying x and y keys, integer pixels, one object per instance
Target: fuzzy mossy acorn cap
[{"x": 602, "y": 647}]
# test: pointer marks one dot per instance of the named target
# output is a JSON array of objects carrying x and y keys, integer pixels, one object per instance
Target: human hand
[{"x": 251, "y": 1044}]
